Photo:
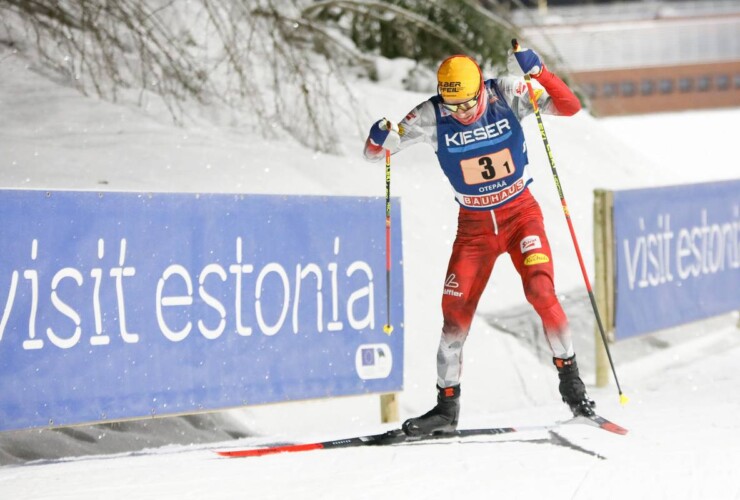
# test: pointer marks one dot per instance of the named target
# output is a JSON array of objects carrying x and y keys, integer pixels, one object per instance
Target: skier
[{"x": 474, "y": 127}]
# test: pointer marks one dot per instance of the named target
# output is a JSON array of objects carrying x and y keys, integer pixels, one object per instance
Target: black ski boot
[
  {"x": 572, "y": 388},
  {"x": 440, "y": 419}
]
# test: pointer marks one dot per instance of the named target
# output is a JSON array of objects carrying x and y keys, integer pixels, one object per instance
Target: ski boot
[
  {"x": 572, "y": 388},
  {"x": 440, "y": 419}
]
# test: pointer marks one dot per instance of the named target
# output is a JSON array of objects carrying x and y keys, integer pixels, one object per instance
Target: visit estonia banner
[
  {"x": 124, "y": 305},
  {"x": 677, "y": 253}
]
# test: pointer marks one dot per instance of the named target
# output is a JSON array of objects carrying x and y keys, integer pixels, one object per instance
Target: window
[
  {"x": 704, "y": 83},
  {"x": 665, "y": 86},
  {"x": 610, "y": 89},
  {"x": 627, "y": 89},
  {"x": 647, "y": 87},
  {"x": 722, "y": 82},
  {"x": 685, "y": 84},
  {"x": 589, "y": 89}
]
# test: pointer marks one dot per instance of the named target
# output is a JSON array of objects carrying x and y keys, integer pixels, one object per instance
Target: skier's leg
[
  {"x": 536, "y": 270},
  {"x": 532, "y": 257},
  {"x": 540, "y": 292},
  {"x": 471, "y": 262}
]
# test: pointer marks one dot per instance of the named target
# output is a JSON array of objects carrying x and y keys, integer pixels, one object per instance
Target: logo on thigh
[
  {"x": 536, "y": 258},
  {"x": 451, "y": 285},
  {"x": 530, "y": 243}
]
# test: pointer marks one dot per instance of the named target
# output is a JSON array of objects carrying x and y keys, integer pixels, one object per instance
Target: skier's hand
[
  {"x": 384, "y": 133},
  {"x": 525, "y": 61}
]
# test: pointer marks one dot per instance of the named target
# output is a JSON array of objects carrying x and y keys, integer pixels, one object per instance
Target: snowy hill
[{"x": 682, "y": 383}]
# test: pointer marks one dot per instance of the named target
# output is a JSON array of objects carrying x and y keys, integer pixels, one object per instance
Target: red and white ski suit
[{"x": 486, "y": 164}]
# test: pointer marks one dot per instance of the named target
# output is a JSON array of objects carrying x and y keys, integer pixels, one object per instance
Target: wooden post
[
  {"x": 604, "y": 283},
  {"x": 388, "y": 408}
]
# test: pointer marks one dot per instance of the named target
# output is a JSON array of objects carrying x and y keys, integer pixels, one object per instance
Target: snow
[{"x": 683, "y": 384}]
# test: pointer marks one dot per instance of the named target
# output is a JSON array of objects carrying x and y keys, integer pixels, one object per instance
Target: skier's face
[
  {"x": 462, "y": 109},
  {"x": 461, "y": 105}
]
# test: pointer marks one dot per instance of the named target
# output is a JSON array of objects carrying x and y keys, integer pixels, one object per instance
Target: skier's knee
[{"x": 540, "y": 292}]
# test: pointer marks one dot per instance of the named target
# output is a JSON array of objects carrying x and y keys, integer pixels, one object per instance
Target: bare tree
[{"x": 278, "y": 65}]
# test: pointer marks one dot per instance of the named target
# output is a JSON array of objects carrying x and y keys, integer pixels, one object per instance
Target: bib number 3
[{"x": 487, "y": 168}]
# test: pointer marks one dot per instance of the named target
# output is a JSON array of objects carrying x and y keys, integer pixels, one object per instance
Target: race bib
[{"x": 487, "y": 168}]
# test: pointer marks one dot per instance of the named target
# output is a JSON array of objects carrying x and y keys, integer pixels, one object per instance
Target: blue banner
[
  {"x": 123, "y": 305},
  {"x": 677, "y": 254}
]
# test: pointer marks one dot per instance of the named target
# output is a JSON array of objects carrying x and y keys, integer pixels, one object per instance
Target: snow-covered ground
[{"x": 684, "y": 385}]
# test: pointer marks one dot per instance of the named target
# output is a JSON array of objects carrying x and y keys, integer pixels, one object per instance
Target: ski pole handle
[{"x": 527, "y": 80}]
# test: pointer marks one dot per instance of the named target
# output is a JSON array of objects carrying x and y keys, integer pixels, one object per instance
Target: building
[{"x": 642, "y": 57}]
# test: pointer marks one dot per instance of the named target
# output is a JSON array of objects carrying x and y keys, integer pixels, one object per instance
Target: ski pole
[
  {"x": 388, "y": 328},
  {"x": 622, "y": 398}
]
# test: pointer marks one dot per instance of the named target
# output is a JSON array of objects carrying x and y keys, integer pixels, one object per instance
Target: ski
[
  {"x": 600, "y": 422},
  {"x": 397, "y": 436}
]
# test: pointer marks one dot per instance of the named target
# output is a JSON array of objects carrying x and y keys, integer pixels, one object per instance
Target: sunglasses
[{"x": 463, "y": 106}]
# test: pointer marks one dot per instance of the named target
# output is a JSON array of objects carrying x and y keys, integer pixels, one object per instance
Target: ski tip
[
  {"x": 598, "y": 421},
  {"x": 612, "y": 427},
  {"x": 623, "y": 399},
  {"x": 270, "y": 450}
]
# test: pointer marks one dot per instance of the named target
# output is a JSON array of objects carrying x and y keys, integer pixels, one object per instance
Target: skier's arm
[
  {"x": 562, "y": 100},
  {"x": 419, "y": 125}
]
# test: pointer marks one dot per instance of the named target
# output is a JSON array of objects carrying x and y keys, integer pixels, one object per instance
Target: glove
[
  {"x": 525, "y": 61},
  {"x": 385, "y": 134}
]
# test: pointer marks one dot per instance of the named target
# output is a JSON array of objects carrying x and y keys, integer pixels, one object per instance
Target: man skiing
[{"x": 474, "y": 127}]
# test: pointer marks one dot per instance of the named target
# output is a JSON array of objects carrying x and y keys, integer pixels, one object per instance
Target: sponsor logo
[
  {"x": 373, "y": 361},
  {"x": 411, "y": 117},
  {"x": 450, "y": 285},
  {"x": 488, "y": 200},
  {"x": 493, "y": 187},
  {"x": 478, "y": 134},
  {"x": 530, "y": 243},
  {"x": 449, "y": 86},
  {"x": 536, "y": 258}
]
